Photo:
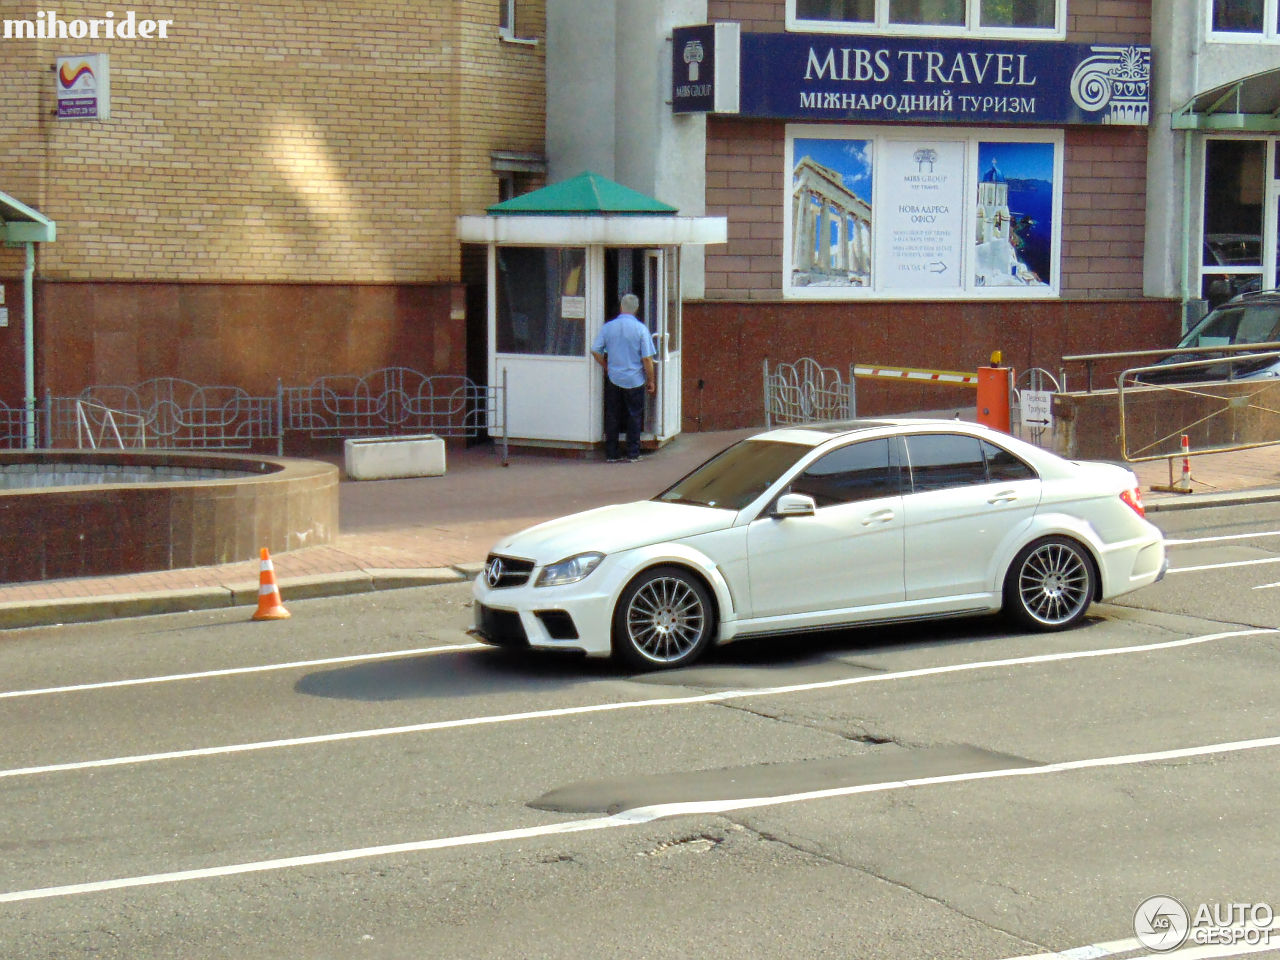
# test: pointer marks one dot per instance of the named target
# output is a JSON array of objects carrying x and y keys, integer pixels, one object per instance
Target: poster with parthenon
[{"x": 831, "y": 213}]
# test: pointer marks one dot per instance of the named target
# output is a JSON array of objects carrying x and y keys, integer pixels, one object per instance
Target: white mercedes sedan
[{"x": 810, "y": 528}]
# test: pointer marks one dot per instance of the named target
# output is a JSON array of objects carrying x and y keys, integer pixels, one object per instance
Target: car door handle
[
  {"x": 882, "y": 516},
  {"x": 1003, "y": 497}
]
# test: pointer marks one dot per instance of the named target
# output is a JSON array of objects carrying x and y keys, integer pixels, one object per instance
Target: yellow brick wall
[{"x": 279, "y": 140}]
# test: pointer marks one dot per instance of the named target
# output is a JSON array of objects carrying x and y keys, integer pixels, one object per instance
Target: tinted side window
[
  {"x": 1003, "y": 466},
  {"x": 942, "y": 460},
  {"x": 859, "y": 471}
]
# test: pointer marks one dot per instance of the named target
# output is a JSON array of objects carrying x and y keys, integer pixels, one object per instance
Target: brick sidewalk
[{"x": 440, "y": 522}]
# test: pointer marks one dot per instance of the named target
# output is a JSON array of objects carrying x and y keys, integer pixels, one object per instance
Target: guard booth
[{"x": 559, "y": 260}]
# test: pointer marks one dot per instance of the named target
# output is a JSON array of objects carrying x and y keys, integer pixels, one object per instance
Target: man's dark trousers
[{"x": 620, "y": 403}]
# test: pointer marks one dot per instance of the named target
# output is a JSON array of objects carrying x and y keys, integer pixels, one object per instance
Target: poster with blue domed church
[{"x": 1014, "y": 215}]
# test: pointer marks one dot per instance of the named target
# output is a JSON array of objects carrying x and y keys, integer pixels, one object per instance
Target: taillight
[{"x": 1134, "y": 500}]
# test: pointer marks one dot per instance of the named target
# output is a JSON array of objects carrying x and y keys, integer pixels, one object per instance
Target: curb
[
  {"x": 1199, "y": 501},
  {"x": 43, "y": 613}
]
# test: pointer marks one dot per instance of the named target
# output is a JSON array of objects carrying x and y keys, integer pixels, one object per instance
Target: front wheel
[
  {"x": 664, "y": 618},
  {"x": 1050, "y": 584}
]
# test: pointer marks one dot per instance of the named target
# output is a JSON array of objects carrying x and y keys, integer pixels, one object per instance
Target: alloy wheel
[
  {"x": 666, "y": 620},
  {"x": 1054, "y": 583}
]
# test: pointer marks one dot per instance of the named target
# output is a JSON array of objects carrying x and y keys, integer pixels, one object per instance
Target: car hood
[{"x": 624, "y": 526}]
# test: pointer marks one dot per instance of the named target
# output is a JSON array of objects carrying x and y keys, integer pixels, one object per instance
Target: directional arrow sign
[{"x": 937, "y": 267}]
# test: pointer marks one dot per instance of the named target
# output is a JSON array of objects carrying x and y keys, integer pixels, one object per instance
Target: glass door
[{"x": 662, "y": 417}]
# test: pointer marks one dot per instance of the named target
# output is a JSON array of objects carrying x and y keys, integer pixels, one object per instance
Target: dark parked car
[{"x": 1250, "y": 318}]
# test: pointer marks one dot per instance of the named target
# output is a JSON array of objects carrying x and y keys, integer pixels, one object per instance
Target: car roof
[{"x": 816, "y": 434}]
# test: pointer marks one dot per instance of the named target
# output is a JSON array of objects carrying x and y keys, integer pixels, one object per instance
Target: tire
[
  {"x": 1050, "y": 584},
  {"x": 665, "y": 618}
]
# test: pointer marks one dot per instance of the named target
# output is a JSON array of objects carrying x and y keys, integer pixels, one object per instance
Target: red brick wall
[
  {"x": 242, "y": 334},
  {"x": 1103, "y": 197},
  {"x": 11, "y": 368},
  {"x": 1088, "y": 21},
  {"x": 725, "y": 345},
  {"x": 1104, "y": 200}
]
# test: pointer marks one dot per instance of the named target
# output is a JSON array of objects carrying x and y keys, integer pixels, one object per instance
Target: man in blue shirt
[{"x": 625, "y": 350}]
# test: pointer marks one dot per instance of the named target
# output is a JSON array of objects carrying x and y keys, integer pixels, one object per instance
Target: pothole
[{"x": 687, "y": 845}]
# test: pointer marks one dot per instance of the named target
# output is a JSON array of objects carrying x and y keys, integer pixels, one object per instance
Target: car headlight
[{"x": 569, "y": 571}]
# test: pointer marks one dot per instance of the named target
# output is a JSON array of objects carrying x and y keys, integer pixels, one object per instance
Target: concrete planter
[{"x": 390, "y": 458}]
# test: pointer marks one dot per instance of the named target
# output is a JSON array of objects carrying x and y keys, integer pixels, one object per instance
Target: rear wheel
[
  {"x": 664, "y": 618},
  {"x": 1050, "y": 584}
]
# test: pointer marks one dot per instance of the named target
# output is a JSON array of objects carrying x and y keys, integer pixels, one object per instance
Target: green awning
[
  {"x": 20, "y": 224},
  {"x": 588, "y": 194},
  {"x": 1251, "y": 103}
]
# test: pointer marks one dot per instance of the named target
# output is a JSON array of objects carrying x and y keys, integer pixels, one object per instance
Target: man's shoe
[{"x": 635, "y": 459}]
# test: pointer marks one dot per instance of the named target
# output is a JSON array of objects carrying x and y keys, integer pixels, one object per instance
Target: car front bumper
[{"x": 576, "y": 616}]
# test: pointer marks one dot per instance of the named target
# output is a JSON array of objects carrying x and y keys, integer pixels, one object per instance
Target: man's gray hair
[{"x": 629, "y": 303}]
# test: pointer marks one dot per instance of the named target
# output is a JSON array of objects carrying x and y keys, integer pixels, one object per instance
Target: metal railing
[
  {"x": 1035, "y": 430},
  {"x": 807, "y": 392},
  {"x": 172, "y": 413},
  {"x": 169, "y": 413},
  {"x": 89, "y": 413},
  {"x": 395, "y": 400},
  {"x": 1217, "y": 416},
  {"x": 1092, "y": 360}
]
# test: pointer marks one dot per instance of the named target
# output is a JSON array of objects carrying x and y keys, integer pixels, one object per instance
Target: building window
[
  {"x": 922, "y": 213},
  {"x": 1244, "y": 19},
  {"x": 1239, "y": 223},
  {"x": 507, "y": 17},
  {"x": 542, "y": 306},
  {"x": 939, "y": 17}
]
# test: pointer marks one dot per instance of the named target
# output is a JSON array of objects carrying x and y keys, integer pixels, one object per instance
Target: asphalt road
[{"x": 382, "y": 788}]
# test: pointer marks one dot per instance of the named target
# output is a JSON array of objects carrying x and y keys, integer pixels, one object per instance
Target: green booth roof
[{"x": 587, "y": 194}]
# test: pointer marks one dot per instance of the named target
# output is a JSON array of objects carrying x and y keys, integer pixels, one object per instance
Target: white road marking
[
  {"x": 234, "y": 671},
  {"x": 1116, "y": 947},
  {"x": 1220, "y": 566},
  {"x": 1229, "y": 536},
  {"x": 638, "y": 815},
  {"x": 623, "y": 705}
]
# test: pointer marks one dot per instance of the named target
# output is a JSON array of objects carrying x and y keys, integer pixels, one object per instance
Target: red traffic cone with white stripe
[
  {"x": 270, "y": 606},
  {"x": 1184, "y": 482}
]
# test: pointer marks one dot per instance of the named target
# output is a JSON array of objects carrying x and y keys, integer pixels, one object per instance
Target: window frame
[
  {"x": 1270, "y": 217},
  {"x": 971, "y": 28},
  {"x": 1270, "y": 33},
  {"x": 895, "y": 466},
  {"x": 972, "y": 136}
]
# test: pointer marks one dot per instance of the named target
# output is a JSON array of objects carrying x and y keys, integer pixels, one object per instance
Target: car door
[
  {"x": 849, "y": 553},
  {"x": 967, "y": 499}
]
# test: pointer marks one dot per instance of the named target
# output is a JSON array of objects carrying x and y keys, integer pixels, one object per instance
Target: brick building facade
[
  {"x": 748, "y": 315},
  {"x": 275, "y": 193}
]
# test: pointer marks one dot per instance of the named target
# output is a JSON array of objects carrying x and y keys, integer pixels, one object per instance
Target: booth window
[
  {"x": 922, "y": 212},
  {"x": 1244, "y": 19},
  {"x": 541, "y": 304},
  {"x": 1233, "y": 254},
  {"x": 925, "y": 16}
]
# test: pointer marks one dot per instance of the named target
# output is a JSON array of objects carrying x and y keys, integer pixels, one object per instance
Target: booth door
[
  {"x": 662, "y": 314},
  {"x": 538, "y": 340}
]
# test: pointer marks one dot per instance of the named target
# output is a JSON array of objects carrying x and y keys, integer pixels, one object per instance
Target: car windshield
[
  {"x": 1236, "y": 323},
  {"x": 734, "y": 477}
]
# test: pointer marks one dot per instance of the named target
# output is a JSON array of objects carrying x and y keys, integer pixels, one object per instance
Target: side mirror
[{"x": 794, "y": 505}]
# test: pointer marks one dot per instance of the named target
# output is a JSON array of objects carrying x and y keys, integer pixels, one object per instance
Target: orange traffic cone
[{"x": 269, "y": 605}]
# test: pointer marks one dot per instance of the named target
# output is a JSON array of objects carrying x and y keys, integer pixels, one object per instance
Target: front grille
[
  {"x": 500, "y": 627},
  {"x": 559, "y": 624},
  {"x": 515, "y": 572}
]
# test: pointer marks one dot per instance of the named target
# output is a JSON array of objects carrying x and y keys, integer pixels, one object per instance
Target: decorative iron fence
[
  {"x": 806, "y": 392},
  {"x": 169, "y": 413},
  {"x": 165, "y": 412}
]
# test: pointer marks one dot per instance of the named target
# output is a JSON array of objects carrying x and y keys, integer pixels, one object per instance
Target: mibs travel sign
[{"x": 799, "y": 76}]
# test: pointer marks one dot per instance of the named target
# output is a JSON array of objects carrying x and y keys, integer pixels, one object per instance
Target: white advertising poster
[
  {"x": 84, "y": 87},
  {"x": 920, "y": 204}
]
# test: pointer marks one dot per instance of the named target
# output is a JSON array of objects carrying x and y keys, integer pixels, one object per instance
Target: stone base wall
[
  {"x": 108, "y": 529},
  {"x": 725, "y": 345}
]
